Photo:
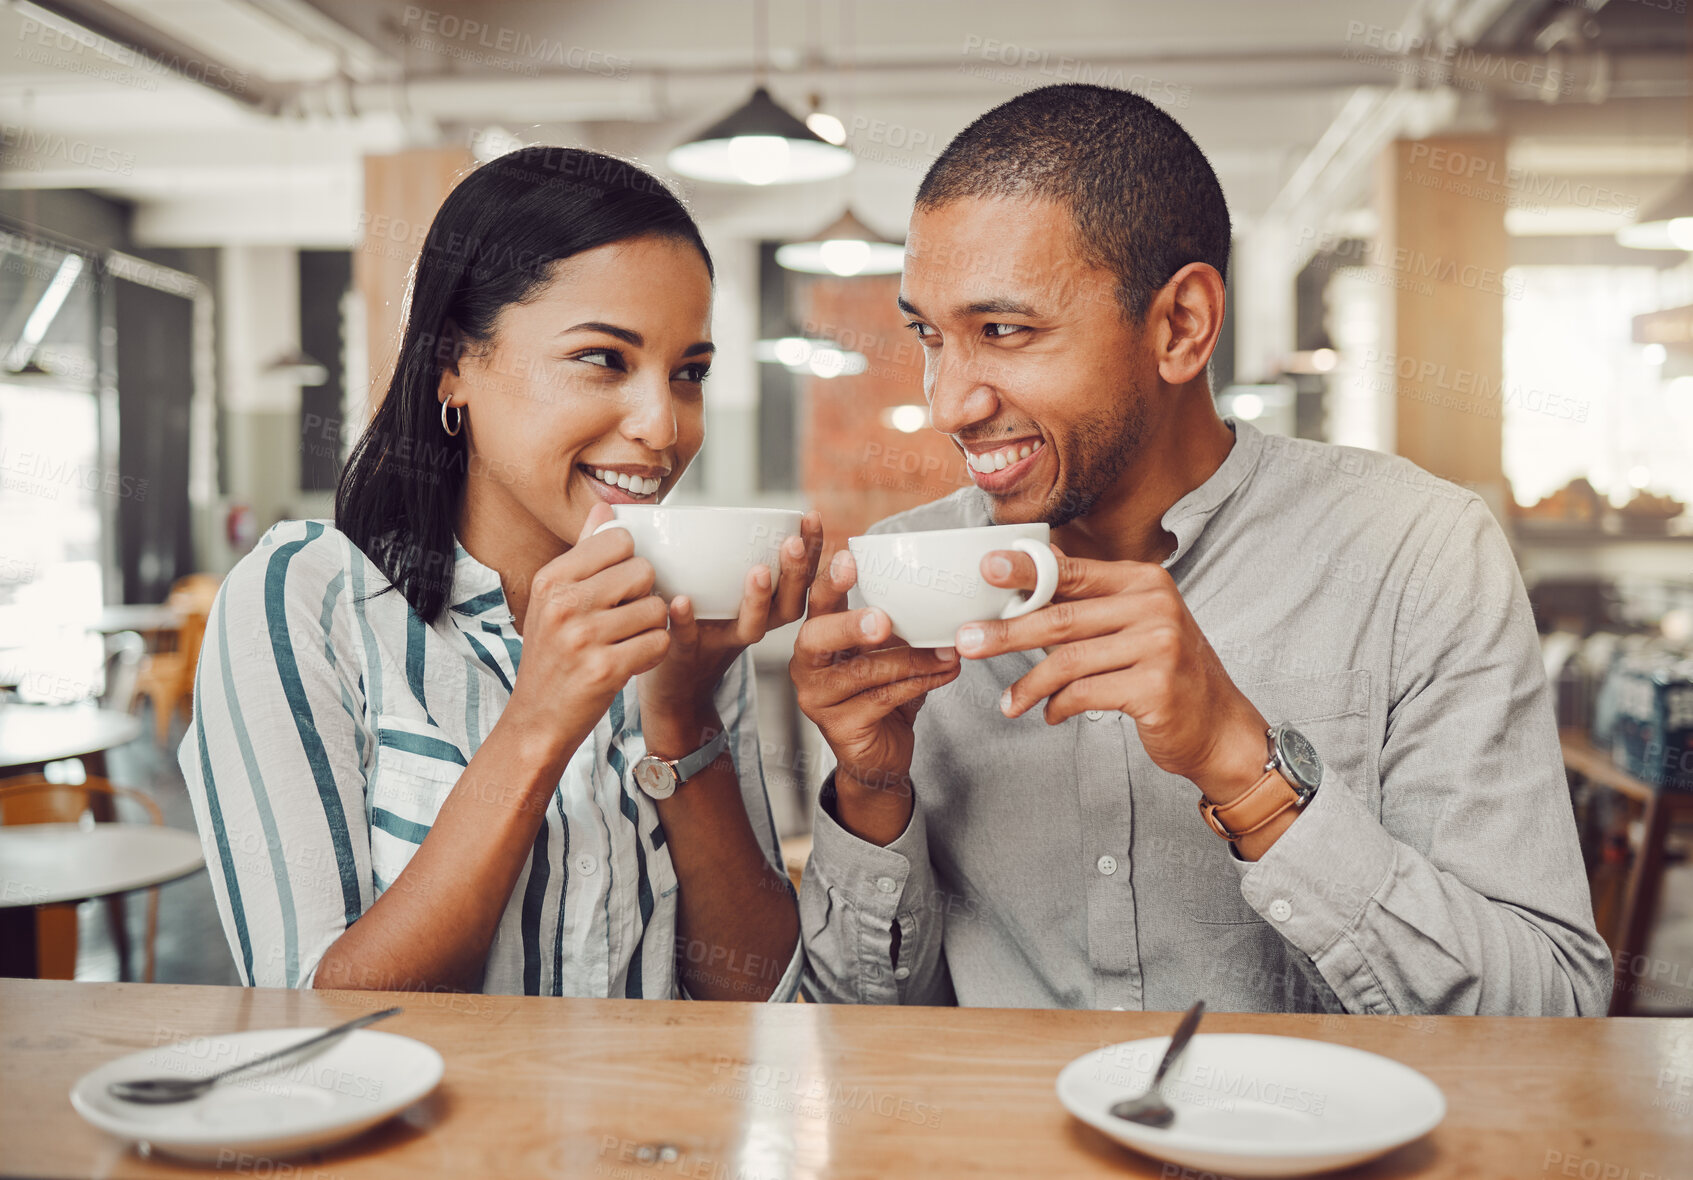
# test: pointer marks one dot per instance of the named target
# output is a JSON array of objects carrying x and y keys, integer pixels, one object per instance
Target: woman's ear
[{"x": 448, "y": 351}]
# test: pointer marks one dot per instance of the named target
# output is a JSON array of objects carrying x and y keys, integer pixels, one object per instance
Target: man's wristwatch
[
  {"x": 1291, "y": 777},
  {"x": 660, "y": 778}
]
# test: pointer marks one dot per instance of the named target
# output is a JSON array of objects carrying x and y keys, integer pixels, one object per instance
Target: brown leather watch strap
[{"x": 1263, "y": 801}]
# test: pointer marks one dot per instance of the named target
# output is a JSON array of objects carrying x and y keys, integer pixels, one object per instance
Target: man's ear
[{"x": 1186, "y": 321}]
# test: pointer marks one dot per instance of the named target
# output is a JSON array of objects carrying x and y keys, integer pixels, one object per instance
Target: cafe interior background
[{"x": 1464, "y": 234}]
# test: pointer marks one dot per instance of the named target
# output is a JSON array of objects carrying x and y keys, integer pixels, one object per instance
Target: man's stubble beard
[{"x": 1105, "y": 443}]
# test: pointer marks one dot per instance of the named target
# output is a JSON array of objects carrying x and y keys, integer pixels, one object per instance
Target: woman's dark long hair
[{"x": 491, "y": 245}]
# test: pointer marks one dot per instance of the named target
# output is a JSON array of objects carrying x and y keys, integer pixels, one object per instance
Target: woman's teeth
[
  {"x": 635, "y": 485},
  {"x": 1001, "y": 459}
]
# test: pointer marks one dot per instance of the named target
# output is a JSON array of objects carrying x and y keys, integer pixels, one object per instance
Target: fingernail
[
  {"x": 999, "y": 567},
  {"x": 970, "y": 637},
  {"x": 867, "y": 624},
  {"x": 761, "y": 575},
  {"x": 793, "y": 547},
  {"x": 838, "y": 565},
  {"x": 947, "y": 654},
  {"x": 1005, "y": 702}
]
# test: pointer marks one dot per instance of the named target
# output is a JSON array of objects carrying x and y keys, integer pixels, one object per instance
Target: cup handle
[
  {"x": 1046, "y": 580},
  {"x": 612, "y": 524}
]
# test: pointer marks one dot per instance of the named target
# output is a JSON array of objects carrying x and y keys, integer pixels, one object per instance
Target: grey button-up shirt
[{"x": 1350, "y": 593}]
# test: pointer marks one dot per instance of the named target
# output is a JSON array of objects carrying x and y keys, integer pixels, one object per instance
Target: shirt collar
[
  {"x": 1188, "y": 516},
  {"x": 477, "y": 593}
]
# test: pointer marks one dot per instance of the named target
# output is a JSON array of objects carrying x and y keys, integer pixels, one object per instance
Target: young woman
[{"x": 415, "y": 729}]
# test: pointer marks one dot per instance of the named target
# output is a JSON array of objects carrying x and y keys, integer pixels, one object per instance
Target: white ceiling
[{"x": 302, "y": 91}]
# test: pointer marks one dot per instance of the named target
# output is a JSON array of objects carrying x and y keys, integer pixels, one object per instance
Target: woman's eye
[
  {"x": 608, "y": 358},
  {"x": 695, "y": 374}
]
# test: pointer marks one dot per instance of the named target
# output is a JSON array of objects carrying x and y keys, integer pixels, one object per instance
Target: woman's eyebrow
[{"x": 630, "y": 336}]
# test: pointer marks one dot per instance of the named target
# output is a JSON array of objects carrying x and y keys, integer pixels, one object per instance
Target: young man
[{"x": 1282, "y": 741}]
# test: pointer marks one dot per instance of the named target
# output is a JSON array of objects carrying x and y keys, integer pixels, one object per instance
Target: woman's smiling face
[{"x": 591, "y": 390}]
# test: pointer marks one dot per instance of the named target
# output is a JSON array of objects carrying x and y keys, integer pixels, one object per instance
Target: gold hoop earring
[{"x": 458, "y": 419}]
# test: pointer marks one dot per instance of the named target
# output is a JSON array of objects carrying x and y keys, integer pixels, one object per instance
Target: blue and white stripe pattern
[{"x": 330, "y": 723}]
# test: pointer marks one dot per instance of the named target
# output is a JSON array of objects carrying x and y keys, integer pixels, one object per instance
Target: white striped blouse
[{"x": 330, "y": 723}]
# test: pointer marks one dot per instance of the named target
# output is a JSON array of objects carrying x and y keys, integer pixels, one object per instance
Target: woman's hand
[
  {"x": 702, "y": 650},
  {"x": 592, "y": 622}
]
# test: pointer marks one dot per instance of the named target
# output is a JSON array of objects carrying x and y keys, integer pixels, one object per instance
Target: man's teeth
[
  {"x": 1000, "y": 460},
  {"x": 635, "y": 485}
]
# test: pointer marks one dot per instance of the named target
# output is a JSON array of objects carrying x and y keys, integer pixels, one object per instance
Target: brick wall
[{"x": 853, "y": 468}]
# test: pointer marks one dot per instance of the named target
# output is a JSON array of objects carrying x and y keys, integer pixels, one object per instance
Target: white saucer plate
[
  {"x": 298, "y": 1104},
  {"x": 1250, "y": 1105}
]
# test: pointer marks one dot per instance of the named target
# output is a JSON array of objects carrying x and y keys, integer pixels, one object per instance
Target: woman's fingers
[{"x": 632, "y": 618}]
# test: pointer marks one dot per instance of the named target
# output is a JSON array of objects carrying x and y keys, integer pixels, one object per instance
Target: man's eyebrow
[
  {"x": 1000, "y": 306},
  {"x": 905, "y": 305}
]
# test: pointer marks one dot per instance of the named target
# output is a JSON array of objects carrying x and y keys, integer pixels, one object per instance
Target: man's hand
[
  {"x": 863, "y": 688},
  {"x": 1118, "y": 636}
]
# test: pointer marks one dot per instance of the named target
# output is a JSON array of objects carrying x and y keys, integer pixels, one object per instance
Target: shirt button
[
  {"x": 1108, "y": 864},
  {"x": 1281, "y": 909},
  {"x": 1096, "y": 714},
  {"x": 586, "y": 864},
  {"x": 886, "y": 884},
  {"x": 902, "y": 972}
]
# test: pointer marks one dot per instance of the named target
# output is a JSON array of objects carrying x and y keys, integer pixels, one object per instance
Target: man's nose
[{"x": 960, "y": 395}]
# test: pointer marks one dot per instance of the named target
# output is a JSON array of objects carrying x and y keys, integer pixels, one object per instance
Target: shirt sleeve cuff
[
  {"x": 872, "y": 883},
  {"x": 1314, "y": 883}
]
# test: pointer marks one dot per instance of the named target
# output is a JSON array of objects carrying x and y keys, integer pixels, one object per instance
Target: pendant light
[
  {"x": 760, "y": 142},
  {"x": 846, "y": 247},
  {"x": 1667, "y": 225}
]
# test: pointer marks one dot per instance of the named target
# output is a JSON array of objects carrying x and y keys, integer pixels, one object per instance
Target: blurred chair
[
  {"x": 32, "y": 799},
  {"x": 125, "y": 653},
  {"x": 166, "y": 678}
]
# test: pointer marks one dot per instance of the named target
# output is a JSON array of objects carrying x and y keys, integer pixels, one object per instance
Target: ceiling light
[
  {"x": 1654, "y": 354},
  {"x": 1248, "y": 406},
  {"x": 1667, "y": 225},
  {"x": 907, "y": 419},
  {"x": 42, "y": 316},
  {"x": 846, "y": 247},
  {"x": 826, "y": 126},
  {"x": 759, "y": 143}
]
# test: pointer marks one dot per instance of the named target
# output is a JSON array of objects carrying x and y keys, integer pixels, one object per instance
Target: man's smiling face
[{"x": 1029, "y": 363}]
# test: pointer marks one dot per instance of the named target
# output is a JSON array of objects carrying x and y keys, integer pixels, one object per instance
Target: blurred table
[
  {"x": 142, "y": 617},
  {"x": 1661, "y": 810},
  {"x": 542, "y": 1086},
  {"x": 55, "y": 864},
  {"x": 33, "y": 735}
]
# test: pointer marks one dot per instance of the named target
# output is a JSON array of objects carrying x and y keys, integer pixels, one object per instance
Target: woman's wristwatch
[
  {"x": 1291, "y": 777},
  {"x": 660, "y": 778}
]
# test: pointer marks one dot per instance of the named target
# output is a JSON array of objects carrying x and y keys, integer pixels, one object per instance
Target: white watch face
[{"x": 655, "y": 777}]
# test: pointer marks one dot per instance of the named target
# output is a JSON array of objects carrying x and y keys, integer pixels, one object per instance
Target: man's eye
[
  {"x": 992, "y": 329},
  {"x": 922, "y": 330}
]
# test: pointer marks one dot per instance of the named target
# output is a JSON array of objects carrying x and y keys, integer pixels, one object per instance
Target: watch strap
[
  {"x": 1261, "y": 803},
  {"x": 701, "y": 758}
]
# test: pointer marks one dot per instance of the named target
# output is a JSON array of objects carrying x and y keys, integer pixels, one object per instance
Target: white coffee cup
[
  {"x": 706, "y": 553},
  {"x": 930, "y": 584}
]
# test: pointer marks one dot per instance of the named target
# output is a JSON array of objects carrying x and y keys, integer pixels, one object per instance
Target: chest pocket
[
  {"x": 1332, "y": 709},
  {"x": 414, "y": 768}
]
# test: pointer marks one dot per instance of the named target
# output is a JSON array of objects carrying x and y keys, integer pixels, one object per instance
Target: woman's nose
[{"x": 651, "y": 416}]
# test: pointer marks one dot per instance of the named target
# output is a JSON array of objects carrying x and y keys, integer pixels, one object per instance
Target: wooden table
[
  {"x": 33, "y": 735},
  {"x": 1660, "y": 811},
  {"x": 548, "y": 1087}
]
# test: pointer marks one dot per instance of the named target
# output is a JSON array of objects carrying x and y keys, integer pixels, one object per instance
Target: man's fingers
[
  {"x": 1059, "y": 622},
  {"x": 829, "y": 591},
  {"x": 876, "y": 669},
  {"x": 1065, "y": 664},
  {"x": 1077, "y": 577},
  {"x": 825, "y": 638}
]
